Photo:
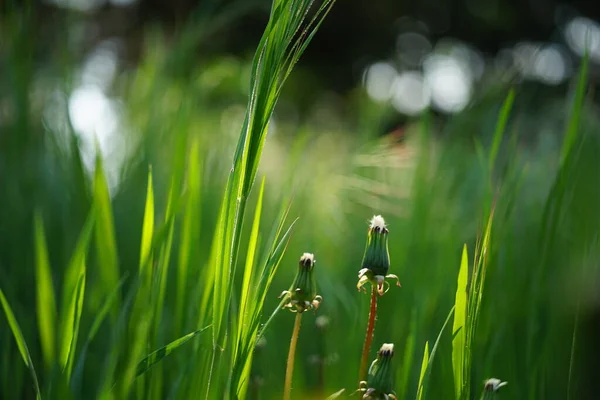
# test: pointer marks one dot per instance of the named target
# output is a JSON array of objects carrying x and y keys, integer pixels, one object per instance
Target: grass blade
[
  {"x": 189, "y": 233},
  {"x": 46, "y": 302},
  {"x": 21, "y": 344},
  {"x": 109, "y": 303},
  {"x": 336, "y": 394},
  {"x": 158, "y": 355},
  {"x": 271, "y": 66},
  {"x": 106, "y": 246},
  {"x": 95, "y": 327},
  {"x": 147, "y": 226},
  {"x": 458, "y": 328},
  {"x": 76, "y": 308},
  {"x": 248, "y": 270},
  {"x": 573, "y": 127},
  {"x": 72, "y": 300},
  {"x": 274, "y": 260},
  {"x": 500, "y": 127},
  {"x": 424, "y": 366},
  {"x": 434, "y": 351},
  {"x": 243, "y": 357},
  {"x": 408, "y": 357}
]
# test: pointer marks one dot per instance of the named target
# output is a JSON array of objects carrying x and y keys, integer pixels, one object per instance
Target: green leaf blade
[
  {"x": 106, "y": 245},
  {"x": 575, "y": 117},
  {"x": 156, "y": 356},
  {"x": 424, "y": 366},
  {"x": 21, "y": 344},
  {"x": 458, "y": 327},
  {"x": 73, "y": 296},
  {"x": 147, "y": 226},
  {"x": 501, "y": 127},
  {"x": 77, "y": 308},
  {"x": 46, "y": 302}
]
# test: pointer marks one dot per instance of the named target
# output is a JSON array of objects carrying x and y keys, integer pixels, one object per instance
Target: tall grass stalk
[
  {"x": 552, "y": 218},
  {"x": 284, "y": 40}
]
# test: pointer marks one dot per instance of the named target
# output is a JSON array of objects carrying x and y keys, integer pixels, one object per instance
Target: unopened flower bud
[
  {"x": 376, "y": 259},
  {"x": 380, "y": 383},
  {"x": 302, "y": 295}
]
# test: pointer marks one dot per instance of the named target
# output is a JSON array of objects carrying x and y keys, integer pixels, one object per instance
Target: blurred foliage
[{"x": 434, "y": 189}]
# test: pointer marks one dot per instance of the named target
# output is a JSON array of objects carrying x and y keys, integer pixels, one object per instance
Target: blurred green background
[{"x": 390, "y": 112}]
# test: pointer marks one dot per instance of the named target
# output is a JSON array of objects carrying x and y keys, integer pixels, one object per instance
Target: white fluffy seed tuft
[
  {"x": 386, "y": 350},
  {"x": 377, "y": 222},
  {"x": 307, "y": 257},
  {"x": 387, "y": 347}
]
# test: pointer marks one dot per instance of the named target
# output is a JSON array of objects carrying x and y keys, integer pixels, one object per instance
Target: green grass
[{"x": 162, "y": 287}]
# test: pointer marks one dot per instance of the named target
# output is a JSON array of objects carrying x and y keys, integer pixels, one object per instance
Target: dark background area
[{"x": 354, "y": 34}]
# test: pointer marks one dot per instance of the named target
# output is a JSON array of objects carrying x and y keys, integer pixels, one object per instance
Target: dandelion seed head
[
  {"x": 378, "y": 223},
  {"x": 386, "y": 350},
  {"x": 307, "y": 259}
]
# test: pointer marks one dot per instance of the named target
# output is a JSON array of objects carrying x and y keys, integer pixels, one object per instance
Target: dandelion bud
[
  {"x": 376, "y": 259},
  {"x": 379, "y": 384},
  {"x": 303, "y": 293}
]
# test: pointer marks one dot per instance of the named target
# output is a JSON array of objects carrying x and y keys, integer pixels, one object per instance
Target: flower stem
[
  {"x": 369, "y": 336},
  {"x": 290, "y": 362}
]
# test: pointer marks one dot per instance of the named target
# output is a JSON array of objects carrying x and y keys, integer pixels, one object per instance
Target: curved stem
[
  {"x": 290, "y": 362},
  {"x": 369, "y": 336}
]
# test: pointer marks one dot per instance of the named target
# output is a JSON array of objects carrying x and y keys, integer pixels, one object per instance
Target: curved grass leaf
[
  {"x": 431, "y": 357},
  {"x": 158, "y": 355},
  {"x": 500, "y": 127},
  {"x": 336, "y": 394},
  {"x": 424, "y": 365},
  {"x": 119, "y": 333},
  {"x": 97, "y": 322},
  {"x": 46, "y": 302},
  {"x": 72, "y": 299},
  {"x": 75, "y": 316},
  {"x": 106, "y": 307},
  {"x": 241, "y": 368},
  {"x": 21, "y": 344},
  {"x": 279, "y": 49},
  {"x": 573, "y": 126}
]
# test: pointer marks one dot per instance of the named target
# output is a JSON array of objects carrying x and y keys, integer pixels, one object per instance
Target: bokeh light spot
[
  {"x": 581, "y": 33},
  {"x": 410, "y": 94},
  {"x": 378, "y": 80},
  {"x": 449, "y": 81}
]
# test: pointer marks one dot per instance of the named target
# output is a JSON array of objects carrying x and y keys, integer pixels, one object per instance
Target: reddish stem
[
  {"x": 290, "y": 362},
  {"x": 369, "y": 336}
]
